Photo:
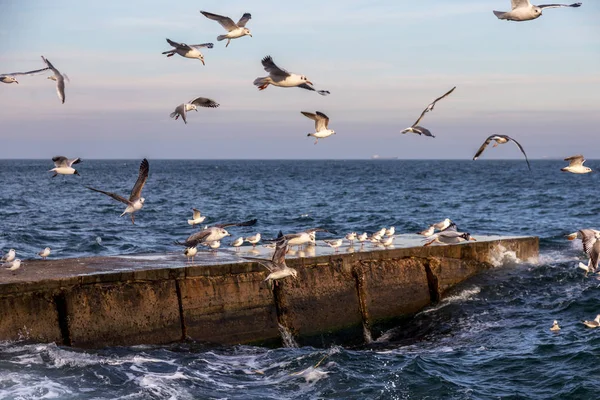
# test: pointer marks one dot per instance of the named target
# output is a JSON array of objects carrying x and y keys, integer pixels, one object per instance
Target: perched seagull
[
  {"x": 388, "y": 241},
  {"x": 237, "y": 243},
  {"x": 12, "y": 265},
  {"x": 591, "y": 247},
  {"x": 44, "y": 253},
  {"x": 187, "y": 50},
  {"x": 335, "y": 243},
  {"x": 390, "y": 231},
  {"x": 59, "y": 78},
  {"x": 63, "y": 166},
  {"x": 276, "y": 265},
  {"x": 555, "y": 327},
  {"x": 593, "y": 324},
  {"x": 576, "y": 165},
  {"x": 362, "y": 238},
  {"x": 321, "y": 125},
  {"x": 443, "y": 225},
  {"x": 197, "y": 218},
  {"x": 500, "y": 139},
  {"x": 428, "y": 232},
  {"x": 282, "y": 78},
  {"x": 234, "y": 30},
  {"x": 8, "y": 257},
  {"x": 214, "y": 245},
  {"x": 449, "y": 237},
  {"x": 351, "y": 237},
  {"x": 523, "y": 10},
  {"x": 190, "y": 252},
  {"x": 381, "y": 232},
  {"x": 415, "y": 128},
  {"x": 182, "y": 109},
  {"x": 135, "y": 201},
  {"x": 212, "y": 233},
  {"x": 253, "y": 239},
  {"x": 10, "y": 78},
  {"x": 302, "y": 238}
]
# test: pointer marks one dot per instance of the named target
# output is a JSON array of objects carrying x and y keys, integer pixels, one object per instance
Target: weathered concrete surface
[{"x": 222, "y": 298}]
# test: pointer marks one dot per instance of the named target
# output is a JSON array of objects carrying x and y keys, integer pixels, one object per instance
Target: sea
[{"x": 489, "y": 338}]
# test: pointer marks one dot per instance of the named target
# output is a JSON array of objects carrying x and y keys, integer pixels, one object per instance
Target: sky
[{"x": 383, "y": 61}]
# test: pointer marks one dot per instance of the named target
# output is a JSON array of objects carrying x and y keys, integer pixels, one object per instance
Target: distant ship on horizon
[{"x": 378, "y": 157}]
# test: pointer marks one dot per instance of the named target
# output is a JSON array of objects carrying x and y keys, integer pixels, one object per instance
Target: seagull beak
[
  {"x": 250, "y": 34},
  {"x": 572, "y": 236},
  {"x": 309, "y": 82},
  {"x": 17, "y": 82},
  {"x": 473, "y": 239},
  {"x": 202, "y": 61}
]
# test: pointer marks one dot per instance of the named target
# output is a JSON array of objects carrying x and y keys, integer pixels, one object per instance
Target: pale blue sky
[{"x": 383, "y": 62}]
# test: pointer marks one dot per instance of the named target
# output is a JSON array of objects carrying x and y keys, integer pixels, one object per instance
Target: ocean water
[{"x": 488, "y": 339}]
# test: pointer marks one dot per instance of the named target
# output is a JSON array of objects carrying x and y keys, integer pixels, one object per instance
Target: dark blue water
[{"x": 489, "y": 338}]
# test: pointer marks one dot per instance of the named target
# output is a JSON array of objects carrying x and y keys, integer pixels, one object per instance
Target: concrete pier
[{"x": 338, "y": 297}]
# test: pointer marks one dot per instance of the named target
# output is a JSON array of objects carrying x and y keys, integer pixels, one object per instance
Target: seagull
[
  {"x": 212, "y": 233},
  {"x": 321, "y": 125},
  {"x": 576, "y": 165},
  {"x": 136, "y": 201},
  {"x": 500, "y": 139},
  {"x": 302, "y": 238},
  {"x": 388, "y": 241},
  {"x": 10, "y": 78},
  {"x": 197, "y": 218},
  {"x": 234, "y": 30},
  {"x": 362, "y": 238},
  {"x": 591, "y": 246},
  {"x": 593, "y": 324},
  {"x": 335, "y": 243},
  {"x": 237, "y": 243},
  {"x": 276, "y": 265},
  {"x": 428, "y": 232},
  {"x": 12, "y": 265},
  {"x": 449, "y": 237},
  {"x": 187, "y": 50},
  {"x": 63, "y": 166},
  {"x": 443, "y": 225},
  {"x": 282, "y": 78},
  {"x": 190, "y": 252},
  {"x": 8, "y": 257},
  {"x": 214, "y": 245},
  {"x": 381, "y": 232},
  {"x": 59, "y": 78},
  {"x": 523, "y": 10},
  {"x": 182, "y": 109},
  {"x": 351, "y": 237},
  {"x": 44, "y": 253},
  {"x": 555, "y": 327},
  {"x": 253, "y": 239},
  {"x": 390, "y": 231},
  {"x": 415, "y": 128}
]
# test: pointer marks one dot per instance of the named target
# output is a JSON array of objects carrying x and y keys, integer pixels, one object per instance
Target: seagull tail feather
[
  {"x": 260, "y": 81},
  {"x": 221, "y": 37},
  {"x": 173, "y": 114},
  {"x": 499, "y": 14}
]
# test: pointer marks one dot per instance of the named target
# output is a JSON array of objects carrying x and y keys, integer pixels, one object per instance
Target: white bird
[
  {"x": 214, "y": 245},
  {"x": 415, "y": 128},
  {"x": 351, "y": 237},
  {"x": 190, "y": 252},
  {"x": 362, "y": 238},
  {"x": 282, "y": 78},
  {"x": 381, "y": 232},
  {"x": 321, "y": 125},
  {"x": 500, "y": 139},
  {"x": 10, "y": 78},
  {"x": 12, "y": 265},
  {"x": 591, "y": 246},
  {"x": 237, "y": 243},
  {"x": 388, "y": 241},
  {"x": 523, "y": 10},
  {"x": 375, "y": 238},
  {"x": 44, "y": 253},
  {"x": 593, "y": 324},
  {"x": 135, "y": 201},
  {"x": 576, "y": 165},
  {"x": 276, "y": 265},
  {"x": 555, "y": 326},
  {"x": 428, "y": 232},
  {"x": 63, "y": 166},
  {"x": 390, "y": 231},
  {"x": 449, "y": 237},
  {"x": 197, "y": 217},
  {"x": 303, "y": 238},
  {"x": 182, "y": 109},
  {"x": 234, "y": 30},
  {"x": 253, "y": 239},
  {"x": 442, "y": 225},
  {"x": 187, "y": 50},
  {"x": 59, "y": 78},
  {"x": 335, "y": 243},
  {"x": 8, "y": 257},
  {"x": 212, "y": 233}
]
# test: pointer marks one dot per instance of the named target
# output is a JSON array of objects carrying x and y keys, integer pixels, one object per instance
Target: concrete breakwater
[{"x": 156, "y": 299}]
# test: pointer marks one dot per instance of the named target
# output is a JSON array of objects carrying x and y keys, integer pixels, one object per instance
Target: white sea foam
[
  {"x": 501, "y": 256},
  {"x": 464, "y": 295},
  {"x": 287, "y": 337}
]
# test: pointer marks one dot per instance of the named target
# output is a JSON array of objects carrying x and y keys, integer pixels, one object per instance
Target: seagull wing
[
  {"x": 225, "y": 22},
  {"x": 451, "y": 228},
  {"x": 575, "y": 160},
  {"x": 441, "y": 97},
  {"x": 244, "y": 20},
  {"x": 60, "y": 161},
  {"x": 196, "y": 214},
  {"x": 178, "y": 45},
  {"x": 196, "y": 238},
  {"x": 37, "y": 71},
  {"x": 594, "y": 256},
  {"x": 520, "y": 3},
  {"x": 522, "y": 150},
  {"x": 204, "y": 102},
  {"x": 136, "y": 192},
  {"x": 245, "y": 223},
  {"x": 113, "y": 195},
  {"x": 268, "y": 264},
  {"x": 60, "y": 88},
  {"x": 280, "y": 251},
  {"x": 202, "y": 46},
  {"x": 74, "y": 161},
  {"x": 588, "y": 239},
  {"x": 483, "y": 146},
  {"x": 420, "y": 117},
  {"x": 273, "y": 69},
  {"x": 543, "y": 6},
  {"x": 322, "y": 121},
  {"x": 309, "y": 87},
  {"x": 423, "y": 131}
]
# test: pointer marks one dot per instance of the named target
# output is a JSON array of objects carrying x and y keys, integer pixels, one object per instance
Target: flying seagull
[
  {"x": 591, "y": 247},
  {"x": 276, "y": 265},
  {"x": 63, "y": 166},
  {"x": 523, "y": 10},
  {"x": 197, "y": 217},
  {"x": 593, "y": 324},
  {"x": 419, "y": 130},
  {"x": 282, "y": 78},
  {"x": 234, "y": 30},
  {"x": 500, "y": 139},
  {"x": 10, "y": 78},
  {"x": 576, "y": 165},
  {"x": 321, "y": 125},
  {"x": 59, "y": 78},
  {"x": 212, "y": 233},
  {"x": 182, "y": 109},
  {"x": 188, "y": 50},
  {"x": 135, "y": 201}
]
